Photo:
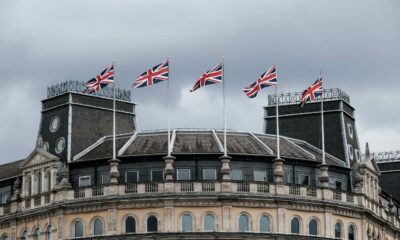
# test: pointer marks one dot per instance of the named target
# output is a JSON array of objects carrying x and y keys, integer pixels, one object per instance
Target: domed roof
[{"x": 189, "y": 141}]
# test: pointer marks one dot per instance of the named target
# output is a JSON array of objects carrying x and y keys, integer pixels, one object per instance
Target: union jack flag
[
  {"x": 152, "y": 76},
  {"x": 100, "y": 81},
  {"x": 268, "y": 78},
  {"x": 312, "y": 92},
  {"x": 212, "y": 76}
]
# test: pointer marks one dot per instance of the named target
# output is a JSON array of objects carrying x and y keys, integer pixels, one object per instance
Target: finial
[{"x": 367, "y": 153}]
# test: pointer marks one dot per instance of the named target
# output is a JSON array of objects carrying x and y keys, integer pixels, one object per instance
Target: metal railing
[
  {"x": 388, "y": 156},
  {"x": 294, "y": 98},
  {"x": 80, "y": 87}
]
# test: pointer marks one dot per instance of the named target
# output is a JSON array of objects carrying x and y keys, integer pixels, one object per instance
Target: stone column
[
  {"x": 114, "y": 172},
  {"x": 324, "y": 180},
  {"x": 169, "y": 216},
  {"x": 226, "y": 219},
  {"x": 112, "y": 221},
  {"x": 169, "y": 173},
  {"x": 226, "y": 174},
  {"x": 33, "y": 189},
  {"x": 53, "y": 178},
  {"x": 281, "y": 220},
  {"x": 278, "y": 175},
  {"x": 328, "y": 225}
]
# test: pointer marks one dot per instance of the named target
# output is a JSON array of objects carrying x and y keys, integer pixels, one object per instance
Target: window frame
[
  {"x": 304, "y": 175},
  {"x": 317, "y": 226},
  {"x": 94, "y": 226},
  {"x": 215, "y": 174},
  {"x": 147, "y": 223},
  {"x": 214, "y": 222},
  {"x": 132, "y": 171},
  {"x": 265, "y": 175},
  {"x": 241, "y": 174},
  {"x": 191, "y": 225},
  {"x": 248, "y": 222},
  {"x": 156, "y": 170},
  {"x": 125, "y": 225},
  {"x": 74, "y": 228},
  {"x": 85, "y": 176},
  {"x": 183, "y": 169},
  {"x": 269, "y": 223},
  {"x": 291, "y": 225}
]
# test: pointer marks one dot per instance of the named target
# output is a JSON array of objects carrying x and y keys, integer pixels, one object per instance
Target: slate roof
[
  {"x": 10, "y": 170},
  {"x": 204, "y": 142}
]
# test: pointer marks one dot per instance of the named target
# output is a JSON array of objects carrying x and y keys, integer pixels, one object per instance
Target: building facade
[{"x": 75, "y": 190}]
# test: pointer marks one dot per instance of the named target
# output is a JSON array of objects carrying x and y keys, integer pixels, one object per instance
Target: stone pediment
[
  {"x": 38, "y": 156},
  {"x": 370, "y": 163}
]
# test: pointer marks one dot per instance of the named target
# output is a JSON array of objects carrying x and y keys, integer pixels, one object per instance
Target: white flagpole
[
  {"x": 223, "y": 90},
  {"x": 114, "y": 127},
  {"x": 322, "y": 120},
  {"x": 169, "y": 111},
  {"x": 277, "y": 116}
]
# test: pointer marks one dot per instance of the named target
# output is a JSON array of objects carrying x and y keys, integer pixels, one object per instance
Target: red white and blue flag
[
  {"x": 212, "y": 76},
  {"x": 268, "y": 78},
  {"x": 100, "y": 81},
  {"x": 312, "y": 92},
  {"x": 153, "y": 75}
]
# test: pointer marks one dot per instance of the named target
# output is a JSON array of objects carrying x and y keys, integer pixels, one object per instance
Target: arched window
[
  {"x": 352, "y": 232},
  {"x": 295, "y": 226},
  {"x": 152, "y": 224},
  {"x": 243, "y": 223},
  {"x": 36, "y": 234},
  {"x": 264, "y": 224},
  {"x": 78, "y": 229},
  {"x": 25, "y": 235},
  {"x": 130, "y": 225},
  {"x": 338, "y": 230},
  {"x": 187, "y": 223},
  {"x": 48, "y": 181},
  {"x": 49, "y": 233},
  {"x": 209, "y": 223},
  {"x": 4, "y": 237},
  {"x": 313, "y": 227},
  {"x": 98, "y": 227}
]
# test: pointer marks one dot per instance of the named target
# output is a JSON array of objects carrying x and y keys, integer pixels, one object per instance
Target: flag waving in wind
[
  {"x": 153, "y": 75},
  {"x": 100, "y": 81},
  {"x": 212, "y": 76},
  {"x": 268, "y": 78},
  {"x": 312, "y": 92}
]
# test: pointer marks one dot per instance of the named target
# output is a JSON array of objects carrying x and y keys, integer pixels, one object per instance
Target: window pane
[
  {"x": 260, "y": 176},
  {"x": 338, "y": 230},
  {"x": 209, "y": 223},
  {"x": 84, "y": 181},
  {"x": 132, "y": 177},
  {"x": 152, "y": 224},
  {"x": 130, "y": 225},
  {"x": 352, "y": 233},
  {"x": 157, "y": 175},
  {"x": 304, "y": 179},
  {"x": 209, "y": 174},
  {"x": 187, "y": 223},
  {"x": 339, "y": 185},
  {"x": 98, "y": 227},
  {"x": 39, "y": 182},
  {"x": 78, "y": 229},
  {"x": 49, "y": 233},
  {"x": 243, "y": 223},
  {"x": 313, "y": 227},
  {"x": 236, "y": 174},
  {"x": 287, "y": 177},
  {"x": 105, "y": 178},
  {"x": 25, "y": 235},
  {"x": 264, "y": 224},
  {"x": 295, "y": 226},
  {"x": 48, "y": 182},
  {"x": 183, "y": 174},
  {"x": 37, "y": 234}
]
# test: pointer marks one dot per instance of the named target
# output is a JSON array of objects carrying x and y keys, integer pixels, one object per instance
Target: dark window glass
[
  {"x": 236, "y": 174},
  {"x": 210, "y": 174},
  {"x": 130, "y": 225},
  {"x": 84, "y": 181},
  {"x": 352, "y": 234},
  {"x": 132, "y": 176},
  {"x": 152, "y": 224},
  {"x": 187, "y": 223},
  {"x": 304, "y": 179},
  {"x": 339, "y": 185},
  {"x": 295, "y": 226},
  {"x": 105, "y": 178},
  {"x": 313, "y": 227},
  {"x": 157, "y": 175},
  {"x": 183, "y": 174},
  {"x": 39, "y": 182},
  {"x": 264, "y": 224},
  {"x": 48, "y": 181},
  {"x": 260, "y": 176},
  {"x": 30, "y": 186},
  {"x": 209, "y": 223},
  {"x": 78, "y": 229},
  {"x": 98, "y": 227},
  {"x": 338, "y": 230},
  {"x": 243, "y": 223},
  {"x": 49, "y": 233},
  {"x": 36, "y": 235},
  {"x": 24, "y": 235}
]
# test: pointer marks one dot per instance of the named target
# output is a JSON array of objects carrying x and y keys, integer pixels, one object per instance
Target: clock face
[
  {"x": 54, "y": 124},
  {"x": 46, "y": 146},
  {"x": 60, "y": 145}
]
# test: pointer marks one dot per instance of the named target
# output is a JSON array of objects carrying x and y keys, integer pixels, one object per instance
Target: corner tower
[
  {"x": 71, "y": 120},
  {"x": 304, "y": 123}
]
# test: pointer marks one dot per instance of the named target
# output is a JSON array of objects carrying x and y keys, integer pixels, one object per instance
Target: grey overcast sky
[{"x": 44, "y": 42}]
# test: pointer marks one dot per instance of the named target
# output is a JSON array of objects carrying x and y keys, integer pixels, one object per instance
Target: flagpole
[
  {"x": 224, "y": 102},
  {"x": 169, "y": 111},
  {"x": 277, "y": 116},
  {"x": 322, "y": 120},
  {"x": 114, "y": 127}
]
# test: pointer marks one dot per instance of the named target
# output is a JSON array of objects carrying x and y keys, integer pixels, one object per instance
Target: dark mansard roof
[
  {"x": 204, "y": 142},
  {"x": 10, "y": 170}
]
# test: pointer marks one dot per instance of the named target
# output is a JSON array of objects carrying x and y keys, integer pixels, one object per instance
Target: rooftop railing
[
  {"x": 387, "y": 156},
  {"x": 294, "y": 98},
  {"x": 80, "y": 87}
]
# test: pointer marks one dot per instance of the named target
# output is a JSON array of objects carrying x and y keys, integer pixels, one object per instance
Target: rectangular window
[
  {"x": 236, "y": 174},
  {"x": 304, "y": 179},
  {"x": 4, "y": 197},
  {"x": 84, "y": 181},
  {"x": 287, "y": 177},
  {"x": 260, "y": 176},
  {"x": 132, "y": 176},
  {"x": 183, "y": 174},
  {"x": 210, "y": 174},
  {"x": 157, "y": 175},
  {"x": 339, "y": 185},
  {"x": 105, "y": 178}
]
